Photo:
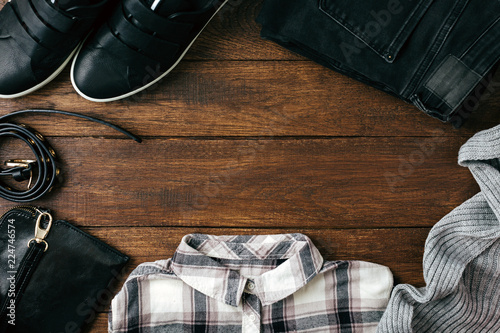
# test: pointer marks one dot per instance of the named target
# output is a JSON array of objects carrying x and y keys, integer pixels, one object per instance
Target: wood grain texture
[
  {"x": 245, "y": 137},
  {"x": 401, "y": 249},
  {"x": 233, "y": 83},
  {"x": 314, "y": 183},
  {"x": 250, "y": 98}
]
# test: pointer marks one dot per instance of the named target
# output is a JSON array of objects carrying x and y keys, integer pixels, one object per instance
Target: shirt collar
[{"x": 197, "y": 262}]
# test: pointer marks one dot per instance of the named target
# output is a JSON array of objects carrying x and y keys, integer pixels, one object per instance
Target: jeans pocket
[{"x": 384, "y": 26}]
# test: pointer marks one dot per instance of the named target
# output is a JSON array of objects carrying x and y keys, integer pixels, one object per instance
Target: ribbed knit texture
[{"x": 461, "y": 259}]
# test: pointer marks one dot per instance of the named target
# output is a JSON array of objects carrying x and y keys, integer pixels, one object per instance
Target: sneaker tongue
[{"x": 168, "y": 7}]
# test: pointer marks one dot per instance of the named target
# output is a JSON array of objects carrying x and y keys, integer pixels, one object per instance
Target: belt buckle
[{"x": 20, "y": 163}]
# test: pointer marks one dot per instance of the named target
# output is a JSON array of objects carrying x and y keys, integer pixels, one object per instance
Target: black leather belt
[{"x": 42, "y": 172}]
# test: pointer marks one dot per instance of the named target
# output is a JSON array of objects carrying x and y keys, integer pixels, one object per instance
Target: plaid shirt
[{"x": 274, "y": 283}]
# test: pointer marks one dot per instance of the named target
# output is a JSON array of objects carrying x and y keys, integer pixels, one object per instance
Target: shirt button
[
  {"x": 250, "y": 286},
  {"x": 252, "y": 317}
]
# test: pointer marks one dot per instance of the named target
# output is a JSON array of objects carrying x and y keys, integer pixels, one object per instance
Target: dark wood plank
[
  {"x": 399, "y": 249},
  {"x": 234, "y": 35},
  {"x": 100, "y": 325},
  {"x": 247, "y": 99},
  {"x": 245, "y": 137},
  {"x": 226, "y": 98},
  {"x": 314, "y": 183}
]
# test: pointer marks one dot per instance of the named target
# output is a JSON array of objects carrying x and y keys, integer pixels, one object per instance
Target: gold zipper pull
[{"x": 41, "y": 233}]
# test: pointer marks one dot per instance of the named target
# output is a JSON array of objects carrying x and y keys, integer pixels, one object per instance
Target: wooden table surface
[{"x": 245, "y": 137}]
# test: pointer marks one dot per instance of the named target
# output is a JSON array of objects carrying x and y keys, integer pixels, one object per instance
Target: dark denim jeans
[{"x": 435, "y": 54}]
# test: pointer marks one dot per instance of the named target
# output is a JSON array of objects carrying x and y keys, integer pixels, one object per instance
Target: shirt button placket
[{"x": 251, "y": 314}]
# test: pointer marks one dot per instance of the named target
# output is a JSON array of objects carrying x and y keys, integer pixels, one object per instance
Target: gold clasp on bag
[{"x": 41, "y": 233}]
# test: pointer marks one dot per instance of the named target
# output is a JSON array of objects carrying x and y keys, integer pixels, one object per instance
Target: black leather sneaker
[
  {"x": 140, "y": 43},
  {"x": 38, "y": 38}
]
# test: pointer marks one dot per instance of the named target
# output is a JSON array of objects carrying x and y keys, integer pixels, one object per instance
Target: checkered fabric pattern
[{"x": 271, "y": 283}]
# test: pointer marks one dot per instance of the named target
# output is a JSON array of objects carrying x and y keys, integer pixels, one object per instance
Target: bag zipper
[
  {"x": 31, "y": 259},
  {"x": 30, "y": 209}
]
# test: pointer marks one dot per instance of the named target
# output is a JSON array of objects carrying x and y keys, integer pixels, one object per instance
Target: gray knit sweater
[{"x": 461, "y": 259}]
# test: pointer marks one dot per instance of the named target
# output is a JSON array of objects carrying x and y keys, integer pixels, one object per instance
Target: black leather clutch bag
[{"x": 53, "y": 276}]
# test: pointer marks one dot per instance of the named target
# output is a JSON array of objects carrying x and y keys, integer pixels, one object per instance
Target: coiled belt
[{"x": 42, "y": 172}]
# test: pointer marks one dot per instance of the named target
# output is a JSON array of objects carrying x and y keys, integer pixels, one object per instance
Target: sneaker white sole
[
  {"x": 47, "y": 80},
  {"x": 112, "y": 99}
]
